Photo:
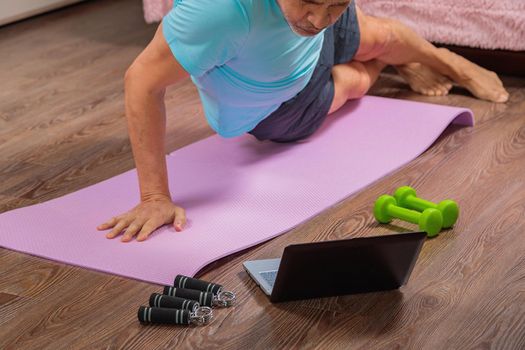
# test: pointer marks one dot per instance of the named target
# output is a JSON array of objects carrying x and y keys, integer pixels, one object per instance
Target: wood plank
[{"x": 6, "y": 298}]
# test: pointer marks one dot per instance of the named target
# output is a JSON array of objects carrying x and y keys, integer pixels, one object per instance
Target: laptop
[{"x": 330, "y": 268}]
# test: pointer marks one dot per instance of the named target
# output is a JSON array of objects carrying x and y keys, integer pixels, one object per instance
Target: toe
[{"x": 502, "y": 97}]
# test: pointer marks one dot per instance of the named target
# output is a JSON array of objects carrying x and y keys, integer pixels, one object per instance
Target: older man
[{"x": 272, "y": 68}]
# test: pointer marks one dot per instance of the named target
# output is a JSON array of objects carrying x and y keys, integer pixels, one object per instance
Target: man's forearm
[{"x": 146, "y": 118}]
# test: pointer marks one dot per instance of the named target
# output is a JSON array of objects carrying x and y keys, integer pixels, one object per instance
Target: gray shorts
[{"x": 302, "y": 115}]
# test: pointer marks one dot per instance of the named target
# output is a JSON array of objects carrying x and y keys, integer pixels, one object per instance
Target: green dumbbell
[
  {"x": 430, "y": 220},
  {"x": 406, "y": 197}
]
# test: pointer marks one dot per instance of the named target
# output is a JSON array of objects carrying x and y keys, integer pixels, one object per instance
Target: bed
[{"x": 489, "y": 32}]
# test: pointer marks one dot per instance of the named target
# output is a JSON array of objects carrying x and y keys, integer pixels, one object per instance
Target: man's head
[{"x": 309, "y": 17}]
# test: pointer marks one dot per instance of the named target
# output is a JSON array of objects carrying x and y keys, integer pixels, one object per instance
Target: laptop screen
[{"x": 350, "y": 266}]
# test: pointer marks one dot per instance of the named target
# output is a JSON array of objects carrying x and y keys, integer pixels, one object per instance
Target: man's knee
[{"x": 351, "y": 80}]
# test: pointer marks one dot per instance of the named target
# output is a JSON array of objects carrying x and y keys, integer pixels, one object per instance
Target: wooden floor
[{"x": 62, "y": 128}]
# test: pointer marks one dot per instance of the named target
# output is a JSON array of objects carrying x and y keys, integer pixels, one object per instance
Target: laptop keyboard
[{"x": 269, "y": 276}]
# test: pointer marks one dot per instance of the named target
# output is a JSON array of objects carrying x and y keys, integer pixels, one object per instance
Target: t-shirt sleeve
[{"x": 203, "y": 34}]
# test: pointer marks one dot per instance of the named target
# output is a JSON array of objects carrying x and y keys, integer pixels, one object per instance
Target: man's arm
[{"x": 145, "y": 84}]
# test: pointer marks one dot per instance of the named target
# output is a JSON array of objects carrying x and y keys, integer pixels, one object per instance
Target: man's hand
[{"x": 145, "y": 218}]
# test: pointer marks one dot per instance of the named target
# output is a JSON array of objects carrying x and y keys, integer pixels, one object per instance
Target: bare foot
[
  {"x": 481, "y": 82},
  {"x": 424, "y": 80}
]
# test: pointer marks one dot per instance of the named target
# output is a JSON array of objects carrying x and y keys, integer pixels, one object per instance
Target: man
[{"x": 273, "y": 68}]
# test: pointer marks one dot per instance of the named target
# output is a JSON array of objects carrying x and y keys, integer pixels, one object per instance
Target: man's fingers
[
  {"x": 180, "y": 219},
  {"x": 147, "y": 229},
  {"x": 108, "y": 224},
  {"x": 117, "y": 229},
  {"x": 131, "y": 231},
  {"x": 144, "y": 219}
]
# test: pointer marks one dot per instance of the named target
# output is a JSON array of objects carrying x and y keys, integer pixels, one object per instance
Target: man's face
[{"x": 309, "y": 17}]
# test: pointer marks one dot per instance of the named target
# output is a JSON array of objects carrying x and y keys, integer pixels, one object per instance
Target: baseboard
[
  {"x": 500, "y": 61},
  {"x": 15, "y": 10}
]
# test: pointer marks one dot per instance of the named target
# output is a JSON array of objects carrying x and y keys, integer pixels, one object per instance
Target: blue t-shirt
[{"x": 242, "y": 56}]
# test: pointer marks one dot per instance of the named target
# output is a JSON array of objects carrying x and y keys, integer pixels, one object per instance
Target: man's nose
[{"x": 320, "y": 21}]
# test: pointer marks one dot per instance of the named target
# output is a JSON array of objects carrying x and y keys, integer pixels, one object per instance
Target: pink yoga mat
[{"x": 237, "y": 192}]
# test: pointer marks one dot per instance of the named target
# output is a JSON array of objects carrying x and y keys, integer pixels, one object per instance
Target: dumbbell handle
[
  {"x": 420, "y": 204},
  {"x": 404, "y": 214}
]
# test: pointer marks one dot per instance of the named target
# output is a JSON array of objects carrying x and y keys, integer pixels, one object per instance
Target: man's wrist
[{"x": 147, "y": 197}]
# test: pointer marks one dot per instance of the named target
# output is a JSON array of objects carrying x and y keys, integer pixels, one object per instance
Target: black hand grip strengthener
[
  {"x": 162, "y": 315},
  {"x": 193, "y": 283},
  {"x": 204, "y": 299},
  {"x": 160, "y": 300}
]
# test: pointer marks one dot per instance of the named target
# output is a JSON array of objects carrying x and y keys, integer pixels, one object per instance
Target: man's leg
[{"x": 390, "y": 42}]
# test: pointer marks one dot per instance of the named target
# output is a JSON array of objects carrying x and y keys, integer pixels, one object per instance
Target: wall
[{"x": 14, "y": 10}]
